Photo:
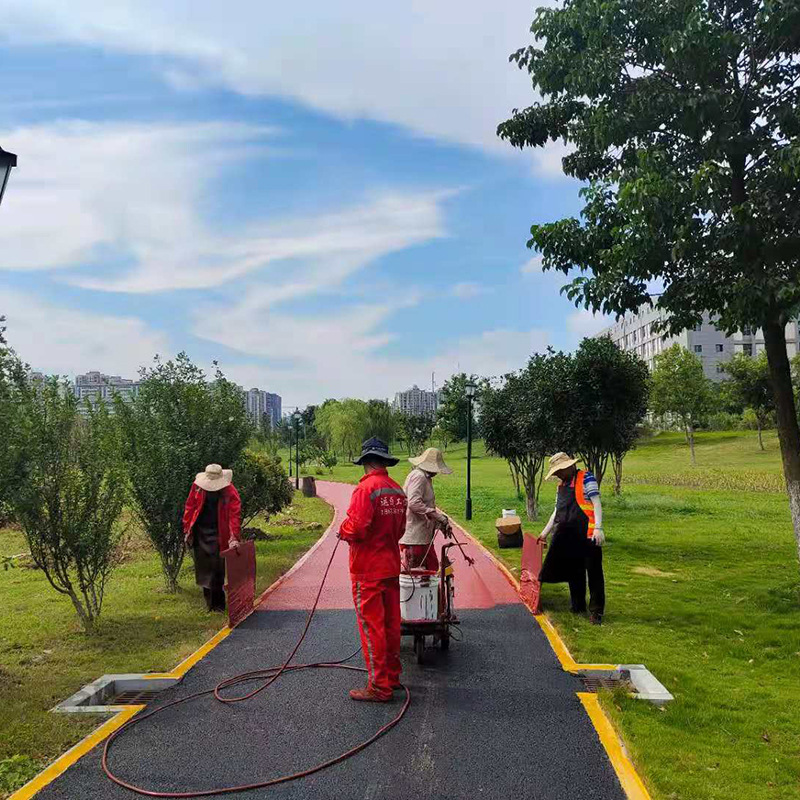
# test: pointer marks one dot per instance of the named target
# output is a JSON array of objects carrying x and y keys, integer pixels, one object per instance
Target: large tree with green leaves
[
  {"x": 680, "y": 390},
  {"x": 610, "y": 389},
  {"x": 749, "y": 383},
  {"x": 13, "y": 382},
  {"x": 683, "y": 121},
  {"x": 177, "y": 424},
  {"x": 451, "y": 414}
]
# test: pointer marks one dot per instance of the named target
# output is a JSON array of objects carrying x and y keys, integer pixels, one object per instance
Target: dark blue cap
[{"x": 376, "y": 448}]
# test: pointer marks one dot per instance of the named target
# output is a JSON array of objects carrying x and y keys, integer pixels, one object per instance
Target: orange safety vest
[{"x": 584, "y": 503}]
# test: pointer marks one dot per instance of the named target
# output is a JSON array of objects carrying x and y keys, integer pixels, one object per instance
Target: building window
[
  {"x": 720, "y": 348},
  {"x": 747, "y": 349},
  {"x": 747, "y": 331},
  {"x": 698, "y": 327},
  {"x": 720, "y": 369},
  {"x": 698, "y": 348}
]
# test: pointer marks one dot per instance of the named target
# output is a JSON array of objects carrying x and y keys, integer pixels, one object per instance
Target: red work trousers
[
  {"x": 378, "y": 611},
  {"x": 419, "y": 555}
]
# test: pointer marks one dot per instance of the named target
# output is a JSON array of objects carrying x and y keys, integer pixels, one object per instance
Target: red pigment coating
[{"x": 481, "y": 586}]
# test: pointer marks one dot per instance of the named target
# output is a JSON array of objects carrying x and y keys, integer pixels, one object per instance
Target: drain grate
[
  {"x": 133, "y": 698},
  {"x": 596, "y": 684}
]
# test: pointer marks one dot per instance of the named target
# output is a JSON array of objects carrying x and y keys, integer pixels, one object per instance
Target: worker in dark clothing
[
  {"x": 375, "y": 522},
  {"x": 578, "y": 537}
]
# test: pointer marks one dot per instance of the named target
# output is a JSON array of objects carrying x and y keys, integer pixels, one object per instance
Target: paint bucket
[
  {"x": 509, "y": 512},
  {"x": 419, "y": 596}
]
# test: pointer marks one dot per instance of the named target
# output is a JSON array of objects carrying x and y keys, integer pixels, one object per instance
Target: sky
[{"x": 312, "y": 195}]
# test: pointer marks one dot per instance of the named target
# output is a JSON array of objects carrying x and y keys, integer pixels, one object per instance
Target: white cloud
[
  {"x": 135, "y": 192},
  {"x": 67, "y": 342},
  {"x": 440, "y": 69},
  {"x": 547, "y": 159},
  {"x": 533, "y": 266},
  {"x": 584, "y": 322},
  {"x": 468, "y": 290}
]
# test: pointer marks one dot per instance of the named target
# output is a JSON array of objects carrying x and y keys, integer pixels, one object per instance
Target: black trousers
[
  {"x": 592, "y": 567},
  {"x": 215, "y": 597}
]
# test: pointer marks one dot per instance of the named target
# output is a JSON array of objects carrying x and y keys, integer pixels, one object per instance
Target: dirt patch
[
  {"x": 652, "y": 572},
  {"x": 257, "y": 534}
]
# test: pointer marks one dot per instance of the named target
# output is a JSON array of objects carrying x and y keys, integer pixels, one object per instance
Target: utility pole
[{"x": 469, "y": 391}]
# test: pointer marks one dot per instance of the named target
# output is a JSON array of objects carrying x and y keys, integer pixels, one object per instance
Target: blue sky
[{"x": 314, "y": 197}]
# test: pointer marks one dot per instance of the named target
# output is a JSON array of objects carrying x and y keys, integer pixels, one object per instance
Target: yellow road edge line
[
  {"x": 65, "y": 761},
  {"x": 632, "y": 784}
]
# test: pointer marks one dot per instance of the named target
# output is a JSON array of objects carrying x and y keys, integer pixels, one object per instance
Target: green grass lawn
[
  {"x": 703, "y": 587},
  {"x": 45, "y": 656}
]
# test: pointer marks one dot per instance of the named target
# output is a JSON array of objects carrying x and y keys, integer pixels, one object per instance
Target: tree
[
  {"x": 177, "y": 424},
  {"x": 683, "y": 122},
  {"x": 750, "y": 382},
  {"x": 72, "y": 494},
  {"x": 527, "y": 418},
  {"x": 680, "y": 389},
  {"x": 13, "y": 383},
  {"x": 451, "y": 414},
  {"x": 262, "y": 485},
  {"x": 344, "y": 425},
  {"x": 381, "y": 421},
  {"x": 415, "y": 430},
  {"x": 609, "y": 391}
]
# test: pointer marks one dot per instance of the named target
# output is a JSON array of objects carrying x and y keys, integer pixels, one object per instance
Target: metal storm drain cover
[
  {"x": 596, "y": 684},
  {"x": 635, "y": 679},
  {"x": 107, "y": 694}
]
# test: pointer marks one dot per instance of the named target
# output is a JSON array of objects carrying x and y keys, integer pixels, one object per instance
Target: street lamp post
[
  {"x": 296, "y": 419},
  {"x": 469, "y": 391},
  {"x": 7, "y": 162}
]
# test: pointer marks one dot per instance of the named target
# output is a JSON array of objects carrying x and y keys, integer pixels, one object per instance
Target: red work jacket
[
  {"x": 229, "y": 514},
  {"x": 375, "y": 523}
]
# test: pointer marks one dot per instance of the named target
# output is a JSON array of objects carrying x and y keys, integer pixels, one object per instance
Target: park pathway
[{"x": 494, "y": 717}]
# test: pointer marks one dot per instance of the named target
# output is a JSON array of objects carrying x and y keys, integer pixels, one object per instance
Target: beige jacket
[{"x": 422, "y": 518}]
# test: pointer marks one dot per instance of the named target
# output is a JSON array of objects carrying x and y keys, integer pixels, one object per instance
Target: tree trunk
[
  {"x": 690, "y": 437},
  {"x": 618, "y": 474},
  {"x": 786, "y": 413},
  {"x": 760, "y": 438},
  {"x": 531, "y": 506}
]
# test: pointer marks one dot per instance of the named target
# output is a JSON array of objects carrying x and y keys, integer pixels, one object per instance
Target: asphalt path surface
[{"x": 493, "y": 717}]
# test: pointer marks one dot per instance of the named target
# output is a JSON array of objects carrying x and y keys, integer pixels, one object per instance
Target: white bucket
[
  {"x": 419, "y": 597},
  {"x": 509, "y": 512}
]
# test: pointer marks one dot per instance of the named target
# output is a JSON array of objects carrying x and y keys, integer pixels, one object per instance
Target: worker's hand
[
  {"x": 543, "y": 536},
  {"x": 599, "y": 537},
  {"x": 233, "y": 544}
]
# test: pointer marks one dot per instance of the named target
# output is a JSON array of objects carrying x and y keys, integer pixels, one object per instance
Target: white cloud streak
[{"x": 439, "y": 69}]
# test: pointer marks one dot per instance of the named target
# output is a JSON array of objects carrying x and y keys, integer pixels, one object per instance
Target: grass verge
[{"x": 45, "y": 657}]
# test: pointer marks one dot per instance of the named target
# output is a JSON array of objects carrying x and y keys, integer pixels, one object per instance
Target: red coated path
[{"x": 480, "y": 586}]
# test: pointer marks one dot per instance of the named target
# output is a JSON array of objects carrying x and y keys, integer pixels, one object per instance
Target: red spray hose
[{"x": 269, "y": 675}]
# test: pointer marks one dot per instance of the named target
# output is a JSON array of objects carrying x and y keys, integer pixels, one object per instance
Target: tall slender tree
[{"x": 682, "y": 120}]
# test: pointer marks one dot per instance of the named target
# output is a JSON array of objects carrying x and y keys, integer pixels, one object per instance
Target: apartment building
[
  {"x": 416, "y": 402},
  {"x": 263, "y": 405},
  {"x": 636, "y": 333},
  {"x": 99, "y": 388}
]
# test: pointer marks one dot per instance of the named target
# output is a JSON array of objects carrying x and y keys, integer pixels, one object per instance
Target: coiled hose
[{"x": 268, "y": 676}]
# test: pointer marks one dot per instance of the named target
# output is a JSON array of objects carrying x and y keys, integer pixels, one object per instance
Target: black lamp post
[
  {"x": 296, "y": 417},
  {"x": 469, "y": 391},
  {"x": 7, "y": 162}
]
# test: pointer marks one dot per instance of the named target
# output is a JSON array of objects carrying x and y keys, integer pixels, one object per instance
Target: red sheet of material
[
  {"x": 240, "y": 588},
  {"x": 529, "y": 585}
]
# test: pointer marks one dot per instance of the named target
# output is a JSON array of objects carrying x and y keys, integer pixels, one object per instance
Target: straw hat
[
  {"x": 559, "y": 461},
  {"x": 432, "y": 461},
  {"x": 214, "y": 478}
]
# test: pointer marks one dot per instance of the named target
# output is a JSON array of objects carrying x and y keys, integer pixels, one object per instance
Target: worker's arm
[
  {"x": 234, "y": 515},
  {"x": 359, "y": 516},
  {"x": 599, "y": 534},
  {"x": 548, "y": 529}
]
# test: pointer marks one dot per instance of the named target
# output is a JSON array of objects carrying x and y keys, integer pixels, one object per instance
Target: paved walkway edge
[
  {"x": 75, "y": 753},
  {"x": 629, "y": 778}
]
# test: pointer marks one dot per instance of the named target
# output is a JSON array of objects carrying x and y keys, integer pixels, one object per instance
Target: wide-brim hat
[
  {"x": 559, "y": 461},
  {"x": 214, "y": 478},
  {"x": 375, "y": 448},
  {"x": 431, "y": 460}
]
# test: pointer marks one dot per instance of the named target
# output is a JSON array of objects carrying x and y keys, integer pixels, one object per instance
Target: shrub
[
  {"x": 262, "y": 485},
  {"x": 16, "y": 771},
  {"x": 72, "y": 496}
]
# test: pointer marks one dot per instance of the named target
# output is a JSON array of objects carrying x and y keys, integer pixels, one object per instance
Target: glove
[{"x": 599, "y": 537}]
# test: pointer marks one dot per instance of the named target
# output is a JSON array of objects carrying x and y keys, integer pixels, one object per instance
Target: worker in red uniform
[{"x": 375, "y": 522}]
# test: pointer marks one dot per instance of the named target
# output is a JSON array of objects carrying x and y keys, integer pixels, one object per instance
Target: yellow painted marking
[
  {"x": 189, "y": 662},
  {"x": 632, "y": 784},
  {"x": 64, "y": 762}
]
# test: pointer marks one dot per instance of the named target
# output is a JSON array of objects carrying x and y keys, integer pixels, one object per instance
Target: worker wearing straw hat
[
  {"x": 578, "y": 537},
  {"x": 423, "y": 519},
  {"x": 212, "y": 520}
]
